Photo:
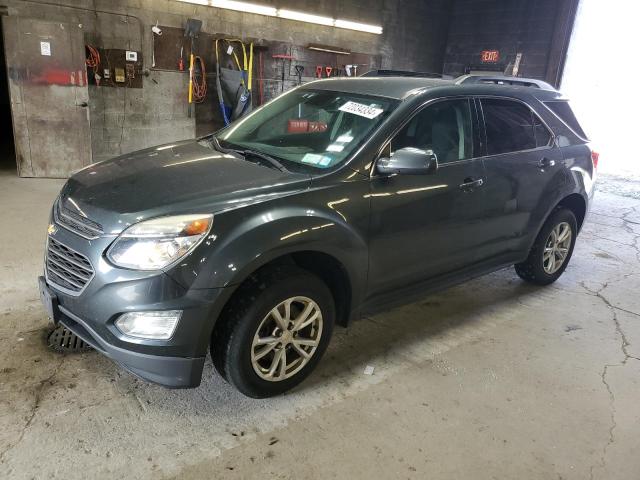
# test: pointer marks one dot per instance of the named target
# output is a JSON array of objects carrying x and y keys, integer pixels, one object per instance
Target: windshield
[{"x": 309, "y": 128}]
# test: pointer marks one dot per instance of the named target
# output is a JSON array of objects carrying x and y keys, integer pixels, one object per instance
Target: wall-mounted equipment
[
  {"x": 112, "y": 67},
  {"x": 328, "y": 48},
  {"x": 191, "y": 31}
]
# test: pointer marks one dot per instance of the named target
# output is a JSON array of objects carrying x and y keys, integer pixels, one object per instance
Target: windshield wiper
[
  {"x": 218, "y": 146},
  {"x": 263, "y": 156},
  {"x": 245, "y": 152}
]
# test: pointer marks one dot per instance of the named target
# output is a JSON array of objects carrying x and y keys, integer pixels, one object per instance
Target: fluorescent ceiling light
[
  {"x": 305, "y": 17},
  {"x": 237, "y": 6},
  {"x": 287, "y": 14},
  {"x": 362, "y": 27},
  {"x": 244, "y": 7}
]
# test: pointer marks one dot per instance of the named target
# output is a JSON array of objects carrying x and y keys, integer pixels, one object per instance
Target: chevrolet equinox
[{"x": 339, "y": 197}]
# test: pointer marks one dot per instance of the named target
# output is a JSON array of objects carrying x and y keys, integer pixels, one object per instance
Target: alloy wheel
[
  {"x": 286, "y": 339},
  {"x": 556, "y": 248}
]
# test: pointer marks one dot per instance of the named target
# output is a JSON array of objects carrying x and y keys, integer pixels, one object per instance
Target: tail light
[{"x": 595, "y": 156}]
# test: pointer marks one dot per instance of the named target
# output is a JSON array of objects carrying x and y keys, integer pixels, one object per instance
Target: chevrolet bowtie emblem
[{"x": 52, "y": 229}]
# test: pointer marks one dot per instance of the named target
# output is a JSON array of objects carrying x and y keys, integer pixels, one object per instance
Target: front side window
[
  {"x": 309, "y": 129},
  {"x": 444, "y": 127},
  {"x": 512, "y": 127}
]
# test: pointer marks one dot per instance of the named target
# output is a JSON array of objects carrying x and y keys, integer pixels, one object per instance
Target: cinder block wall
[
  {"x": 127, "y": 119},
  {"x": 535, "y": 28}
]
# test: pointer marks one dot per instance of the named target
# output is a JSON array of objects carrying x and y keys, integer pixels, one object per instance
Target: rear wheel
[
  {"x": 552, "y": 249},
  {"x": 274, "y": 332}
]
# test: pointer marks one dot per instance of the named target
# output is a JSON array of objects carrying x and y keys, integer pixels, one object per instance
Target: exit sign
[{"x": 490, "y": 56}]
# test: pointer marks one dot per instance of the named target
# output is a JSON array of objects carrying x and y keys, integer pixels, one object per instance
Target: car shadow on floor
[
  {"x": 388, "y": 341},
  {"x": 421, "y": 330}
]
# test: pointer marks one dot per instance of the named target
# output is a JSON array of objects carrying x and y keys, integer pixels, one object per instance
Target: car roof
[
  {"x": 390, "y": 87},
  {"x": 400, "y": 88}
]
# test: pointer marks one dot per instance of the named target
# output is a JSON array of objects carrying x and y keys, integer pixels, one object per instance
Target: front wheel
[
  {"x": 274, "y": 332},
  {"x": 552, "y": 249}
]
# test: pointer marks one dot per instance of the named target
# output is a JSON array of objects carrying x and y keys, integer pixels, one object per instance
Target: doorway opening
[{"x": 7, "y": 146}]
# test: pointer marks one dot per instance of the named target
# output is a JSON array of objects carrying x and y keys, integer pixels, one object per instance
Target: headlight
[{"x": 154, "y": 244}]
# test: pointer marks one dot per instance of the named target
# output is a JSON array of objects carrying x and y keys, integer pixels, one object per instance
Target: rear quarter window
[{"x": 563, "y": 110}]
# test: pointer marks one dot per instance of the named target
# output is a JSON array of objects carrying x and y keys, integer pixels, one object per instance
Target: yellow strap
[
  {"x": 250, "y": 66},
  {"x": 244, "y": 52},
  {"x": 237, "y": 61},
  {"x": 191, "y": 78}
]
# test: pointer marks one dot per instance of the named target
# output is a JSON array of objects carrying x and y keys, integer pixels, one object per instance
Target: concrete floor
[{"x": 492, "y": 379}]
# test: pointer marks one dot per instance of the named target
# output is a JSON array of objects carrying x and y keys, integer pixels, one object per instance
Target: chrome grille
[
  {"x": 77, "y": 223},
  {"x": 66, "y": 268}
]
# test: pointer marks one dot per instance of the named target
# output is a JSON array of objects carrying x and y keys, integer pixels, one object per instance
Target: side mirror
[{"x": 409, "y": 161}]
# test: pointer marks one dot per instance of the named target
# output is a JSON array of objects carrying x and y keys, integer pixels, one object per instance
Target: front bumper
[
  {"x": 172, "y": 372},
  {"x": 175, "y": 363}
]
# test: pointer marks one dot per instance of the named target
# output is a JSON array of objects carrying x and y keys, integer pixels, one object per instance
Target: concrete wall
[
  {"x": 415, "y": 34},
  {"x": 533, "y": 27},
  {"x": 126, "y": 119}
]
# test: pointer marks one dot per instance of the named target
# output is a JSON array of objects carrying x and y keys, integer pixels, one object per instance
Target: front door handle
[
  {"x": 546, "y": 163},
  {"x": 470, "y": 184}
]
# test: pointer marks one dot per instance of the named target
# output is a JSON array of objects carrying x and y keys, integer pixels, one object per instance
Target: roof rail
[
  {"x": 504, "y": 80},
  {"x": 400, "y": 73}
]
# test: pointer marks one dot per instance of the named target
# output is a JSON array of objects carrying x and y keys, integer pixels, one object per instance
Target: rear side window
[
  {"x": 542, "y": 133},
  {"x": 563, "y": 110},
  {"x": 512, "y": 127}
]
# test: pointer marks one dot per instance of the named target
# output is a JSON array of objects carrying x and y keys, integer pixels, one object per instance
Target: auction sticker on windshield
[{"x": 361, "y": 109}]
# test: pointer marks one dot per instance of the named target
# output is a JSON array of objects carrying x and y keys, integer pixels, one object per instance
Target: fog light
[{"x": 158, "y": 325}]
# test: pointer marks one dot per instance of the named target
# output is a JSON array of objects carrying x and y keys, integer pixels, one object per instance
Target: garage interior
[{"x": 490, "y": 379}]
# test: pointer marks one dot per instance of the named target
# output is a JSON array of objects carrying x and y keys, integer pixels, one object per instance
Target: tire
[
  {"x": 537, "y": 268},
  {"x": 250, "y": 315}
]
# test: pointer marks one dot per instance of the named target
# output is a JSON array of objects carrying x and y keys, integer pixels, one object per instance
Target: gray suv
[{"x": 338, "y": 198}]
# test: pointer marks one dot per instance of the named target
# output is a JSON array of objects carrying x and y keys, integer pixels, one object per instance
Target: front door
[
  {"x": 49, "y": 96},
  {"x": 426, "y": 225}
]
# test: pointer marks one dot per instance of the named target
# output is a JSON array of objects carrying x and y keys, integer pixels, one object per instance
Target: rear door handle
[
  {"x": 546, "y": 163},
  {"x": 471, "y": 184}
]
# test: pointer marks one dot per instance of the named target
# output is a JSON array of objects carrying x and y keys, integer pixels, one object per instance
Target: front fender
[{"x": 243, "y": 240}]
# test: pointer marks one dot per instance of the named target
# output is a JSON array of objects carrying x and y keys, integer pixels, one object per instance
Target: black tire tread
[{"x": 237, "y": 311}]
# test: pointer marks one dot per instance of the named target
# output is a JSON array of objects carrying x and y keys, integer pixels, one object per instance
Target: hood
[{"x": 185, "y": 177}]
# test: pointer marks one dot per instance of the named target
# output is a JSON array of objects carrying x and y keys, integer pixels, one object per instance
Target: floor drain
[{"x": 65, "y": 341}]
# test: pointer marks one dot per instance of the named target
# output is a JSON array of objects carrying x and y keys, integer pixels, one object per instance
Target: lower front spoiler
[{"x": 172, "y": 372}]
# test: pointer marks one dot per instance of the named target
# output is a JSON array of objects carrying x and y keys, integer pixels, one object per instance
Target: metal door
[{"x": 49, "y": 96}]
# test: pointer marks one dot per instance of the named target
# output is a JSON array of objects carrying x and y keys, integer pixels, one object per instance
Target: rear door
[
  {"x": 49, "y": 96},
  {"x": 523, "y": 166},
  {"x": 426, "y": 225}
]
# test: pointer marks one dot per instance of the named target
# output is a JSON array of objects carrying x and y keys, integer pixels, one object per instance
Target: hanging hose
[
  {"x": 199, "y": 80},
  {"x": 93, "y": 62}
]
